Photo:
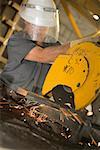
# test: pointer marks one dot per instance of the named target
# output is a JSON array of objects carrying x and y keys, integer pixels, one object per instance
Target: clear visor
[{"x": 44, "y": 33}]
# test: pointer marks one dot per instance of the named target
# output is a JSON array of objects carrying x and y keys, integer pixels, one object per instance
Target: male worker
[{"x": 30, "y": 53}]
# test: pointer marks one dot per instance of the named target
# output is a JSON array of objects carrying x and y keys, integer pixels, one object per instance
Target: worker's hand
[{"x": 85, "y": 39}]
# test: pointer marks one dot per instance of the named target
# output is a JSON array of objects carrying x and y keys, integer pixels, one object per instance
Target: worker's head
[{"x": 41, "y": 20}]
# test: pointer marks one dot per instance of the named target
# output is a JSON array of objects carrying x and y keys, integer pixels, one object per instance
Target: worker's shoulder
[
  {"x": 20, "y": 35},
  {"x": 19, "y": 38}
]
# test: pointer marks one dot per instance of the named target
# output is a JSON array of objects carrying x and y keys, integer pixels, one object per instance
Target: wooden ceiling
[{"x": 87, "y": 8}]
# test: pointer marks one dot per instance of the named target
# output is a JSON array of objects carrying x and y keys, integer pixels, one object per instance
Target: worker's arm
[{"x": 46, "y": 55}]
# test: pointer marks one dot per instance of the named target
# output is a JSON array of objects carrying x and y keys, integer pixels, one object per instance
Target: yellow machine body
[{"x": 80, "y": 70}]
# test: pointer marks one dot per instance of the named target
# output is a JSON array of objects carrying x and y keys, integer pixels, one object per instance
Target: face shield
[{"x": 42, "y": 23}]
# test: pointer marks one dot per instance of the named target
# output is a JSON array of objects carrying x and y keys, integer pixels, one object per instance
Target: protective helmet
[{"x": 42, "y": 14}]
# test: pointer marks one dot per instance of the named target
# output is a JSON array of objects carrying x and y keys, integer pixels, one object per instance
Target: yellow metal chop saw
[{"x": 77, "y": 73}]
